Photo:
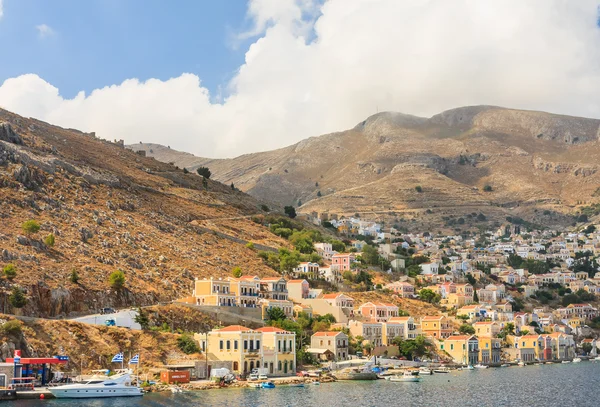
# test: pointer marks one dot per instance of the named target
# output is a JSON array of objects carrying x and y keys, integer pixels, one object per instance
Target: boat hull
[
  {"x": 94, "y": 393},
  {"x": 356, "y": 376}
]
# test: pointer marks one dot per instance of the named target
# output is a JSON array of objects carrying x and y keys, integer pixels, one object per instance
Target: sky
[{"x": 224, "y": 78}]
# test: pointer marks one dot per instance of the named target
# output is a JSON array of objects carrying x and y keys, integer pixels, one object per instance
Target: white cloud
[
  {"x": 1, "y": 9},
  {"x": 44, "y": 30},
  {"x": 307, "y": 75}
]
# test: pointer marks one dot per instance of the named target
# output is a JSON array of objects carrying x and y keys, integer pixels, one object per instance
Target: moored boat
[
  {"x": 441, "y": 370},
  {"x": 576, "y": 360},
  {"x": 405, "y": 377},
  {"x": 267, "y": 385},
  {"x": 565, "y": 362},
  {"x": 118, "y": 385},
  {"x": 425, "y": 371},
  {"x": 480, "y": 366}
]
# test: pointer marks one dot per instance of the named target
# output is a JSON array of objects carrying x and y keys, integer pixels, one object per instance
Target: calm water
[{"x": 549, "y": 386}]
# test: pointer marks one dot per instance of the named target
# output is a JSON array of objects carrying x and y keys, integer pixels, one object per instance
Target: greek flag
[
  {"x": 135, "y": 360},
  {"x": 117, "y": 358}
]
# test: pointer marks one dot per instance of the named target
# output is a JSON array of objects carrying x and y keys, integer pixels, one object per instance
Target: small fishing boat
[
  {"x": 406, "y": 377},
  {"x": 564, "y": 362},
  {"x": 355, "y": 374},
  {"x": 441, "y": 370},
  {"x": 504, "y": 365},
  {"x": 521, "y": 364},
  {"x": 576, "y": 360},
  {"x": 254, "y": 385},
  {"x": 425, "y": 371},
  {"x": 267, "y": 385},
  {"x": 469, "y": 367},
  {"x": 480, "y": 366}
]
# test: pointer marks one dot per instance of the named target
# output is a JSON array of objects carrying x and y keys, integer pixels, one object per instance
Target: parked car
[
  {"x": 302, "y": 373},
  {"x": 107, "y": 310},
  {"x": 253, "y": 377},
  {"x": 262, "y": 377}
]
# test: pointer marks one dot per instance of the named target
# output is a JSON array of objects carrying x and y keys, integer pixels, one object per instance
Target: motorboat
[
  {"x": 267, "y": 385},
  {"x": 255, "y": 385},
  {"x": 504, "y": 365},
  {"x": 118, "y": 385},
  {"x": 469, "y": 367},
  {"x": 441, "y": 370},
  {"x": 425, "y": 371},
  {"x": 564, "y": 362},
  {"x": 405, "y": 377},
  {"x": 576, "y": 360},
  {"x": 521, "y": 363},
  {"x": 355, "y": 374},
  {"x": 480, "y": 366}
]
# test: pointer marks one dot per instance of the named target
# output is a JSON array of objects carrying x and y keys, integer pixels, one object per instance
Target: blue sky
[{"x": 95, "y": 43}]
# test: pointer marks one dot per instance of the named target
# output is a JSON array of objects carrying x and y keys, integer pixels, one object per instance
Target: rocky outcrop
[{"x": 8, "y": 134}]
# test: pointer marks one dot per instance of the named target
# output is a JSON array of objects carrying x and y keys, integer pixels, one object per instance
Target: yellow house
[
  {"x": 461, "y": 348},
  {"x": 531, "y": 346},
  {"x": 299, "y": 308},
  {"x": 246, "y": 290},
  {"x": 278, "y": 351},
  {"x": 489, "y": 350},
  {"x": 237, "y": 344},
  {"x": 575, "y": 322},
  {"x": 436, "y": 326},
  {"x": 213, "y": 292},
  {"x": 486, "y": 329}
]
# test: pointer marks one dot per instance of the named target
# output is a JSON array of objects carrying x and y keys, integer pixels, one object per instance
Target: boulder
[{"x": 8, "y": 134}]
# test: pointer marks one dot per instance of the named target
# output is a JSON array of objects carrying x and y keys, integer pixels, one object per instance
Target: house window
[
  {"x": 228, "y": 345},
  {"x": 257, "y": 345},
  {"x": 221, "y": 345},
  {"x": 235, "y": 345},
  {"x": 279, "y": 345},
  {"x": 245, "y": 344},
  {"x": 451, "y": 346}
]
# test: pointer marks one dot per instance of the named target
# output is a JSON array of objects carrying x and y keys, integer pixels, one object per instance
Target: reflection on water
[{"x": 548, "y": 386}]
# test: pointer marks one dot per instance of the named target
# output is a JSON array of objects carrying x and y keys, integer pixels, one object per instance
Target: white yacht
[{"x": 118, "y": 385}]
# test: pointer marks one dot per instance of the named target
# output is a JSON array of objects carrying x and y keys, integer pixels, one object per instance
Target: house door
[
  {"x": 2, "y": 380},
  {"x": 251, "y": 365},
  {"x": 285, "y": 367},
  {"x": 236, "y": 366},
  {"x": 271, "y": 368},
  {"x": 245, "y": 366}
]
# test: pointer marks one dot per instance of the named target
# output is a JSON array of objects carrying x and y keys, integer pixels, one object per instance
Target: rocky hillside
[
  {"x": 473, "y": 159},
  {"x": 109, "y": 209}
]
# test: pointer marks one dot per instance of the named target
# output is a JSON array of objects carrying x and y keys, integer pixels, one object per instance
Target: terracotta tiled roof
[
  {"x": 234, "y": 328},
  {"x": 271, "y": 329},
  {"x": 335, "y": 333},
  {"x": 458, "y": 338},
  {"x": 296, "y": 281}
]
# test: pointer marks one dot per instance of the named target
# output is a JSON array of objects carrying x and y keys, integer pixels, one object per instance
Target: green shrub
[
  {"x": 17, "y": 298},
  {"x": 419, "y": 189},
  {"x": 117, "y": 279},
  {"x": 30, "y": 227},
  {"x": 488, "y": 188},
  {"x": 74, "y": 277},
  {"x": 49, "y": 240},
  {"x": 10, "y": 271},
  {"x": 250, "y": 245},
  {"x": 187, "y": 344},
  {"x": 11, "y": 327},
  {"x": 236, "y": 272}
]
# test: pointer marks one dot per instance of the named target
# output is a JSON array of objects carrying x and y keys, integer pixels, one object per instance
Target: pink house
[
  {"x": 403, "y": 289},
  {"x": 378, "y": 311},
  {"x": 342, "y": 261}
]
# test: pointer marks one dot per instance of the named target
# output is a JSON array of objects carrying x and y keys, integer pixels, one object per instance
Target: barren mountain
[
  {"x": 485, "y": 159},
  {"x": 108, "y": 209}
]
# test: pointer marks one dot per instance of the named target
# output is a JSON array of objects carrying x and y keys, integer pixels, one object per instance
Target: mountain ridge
[{"x": 530, "y": 160}]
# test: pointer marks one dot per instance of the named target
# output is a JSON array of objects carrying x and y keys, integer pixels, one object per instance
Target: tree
[
  {"x": 142, "y": 319},
  {"x": 429, "y": 296},
  {"x": 524, "y": 332},
  {"x": 17, "y": 297},
  {"x": 288, "y": 260},
  {"x": 187, "y": 344},
  {"x": 299, "y": 204},
  {"x": 232, "y": 187},
  {"x": 185, "y": 170},
  {"x": 236, "y": 272},
  {"x": 116, "y": 279},
  {"x": 204, "y": 172},
  {"x": 275, "y": 314},
  {"x": 471, "y": 279},
  {"x": 587, "y": 348},
  {"x": 419, "y": 189},
  {"x": 370, "y": 255},
  {"x": 205, "y": 183},
  {"x": 49, "y": 240},
  {"x": 488, "y": 188},
  {"x": 515, "y": 261},
  {"x": 290, "y": 211},
  {"x": 466, "y": 329},
  {"x": 462, "y": 317},
  {"x": 74, "y": 277},
  {"x": 30, "y": 227},
  {"x": 475, "y": 296},
  {"x": 508, "y": 329},
  {"x": 10, "y": 271},
  {"x": 319, "y": 194},
  {"x": 338, "y": 246},
  {"x": 414, "y": 270}
]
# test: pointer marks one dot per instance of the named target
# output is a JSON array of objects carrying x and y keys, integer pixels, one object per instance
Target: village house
[
  {"x": 486, "y": 329},
  {"x": 236, "y": 344},
  {"x": 245, "y": 289},
  {"x": 436, "y": 326},
  {"x": 410, "y": 330},
  {"x": 214, "y": 292},
  {"x": 335, "y": 342},
  {"x": 301, "y": 308},
  {"x": 298, "y": 289},
  {"x": 461, "y": 348},
  {"x": 370, "y": 331},
  {"x": 490, "y": 350},
  {"x": 402, "y": 289},
  {"x": 342, "y": 261},
  {"x": 306, "y": 269},
  {"x": 325, "y": 250},
  {"x": 339, "y": 300},
  {"x": 378, "y": 311},
  {"x": 278, "y": 351},
  {"x": 391, "y": 330},
  {"x": 430, "y": 268},
  {"x": 267, "y": 304}
]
